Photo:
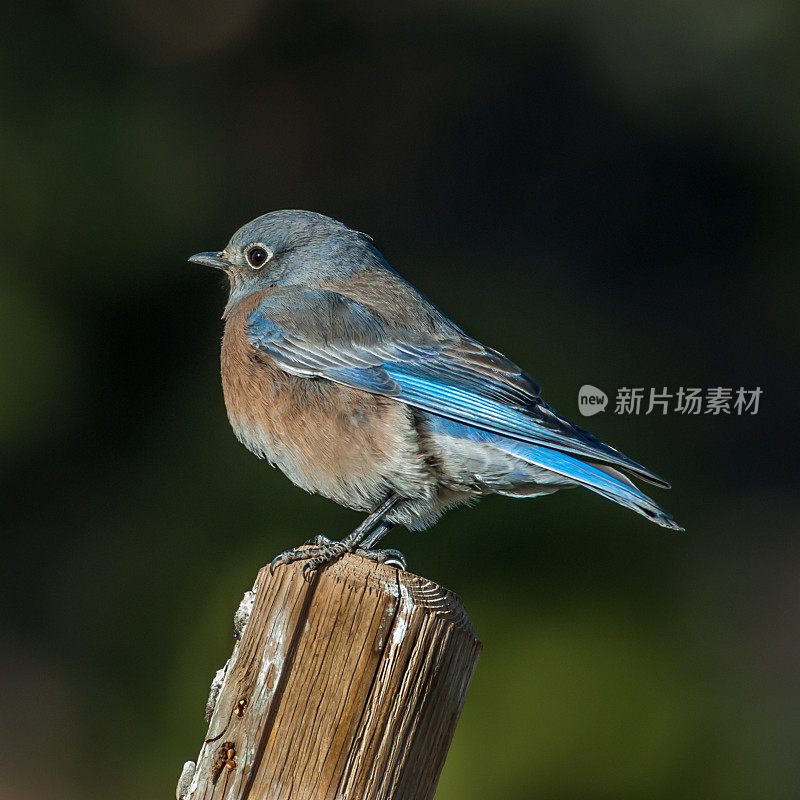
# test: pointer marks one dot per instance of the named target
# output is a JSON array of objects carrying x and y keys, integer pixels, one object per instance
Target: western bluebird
[{"x": 343, "y": 375}]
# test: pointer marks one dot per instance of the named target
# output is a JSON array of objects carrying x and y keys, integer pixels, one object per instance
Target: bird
[{"x": 339, "y": 372}]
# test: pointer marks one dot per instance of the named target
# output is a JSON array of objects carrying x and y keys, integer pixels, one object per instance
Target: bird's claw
[
  {"x": 392, "y": 558},
  {"x": 291, "y": 555},
  {"x": 278, "y": 561},
  {"x": 315, "y": 546}
]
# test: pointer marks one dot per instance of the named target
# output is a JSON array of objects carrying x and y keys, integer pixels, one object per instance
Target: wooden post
[{"x": 345, "y": 688}]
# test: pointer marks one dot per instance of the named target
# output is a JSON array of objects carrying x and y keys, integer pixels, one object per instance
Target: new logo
[{"x": 591, "y": 400}]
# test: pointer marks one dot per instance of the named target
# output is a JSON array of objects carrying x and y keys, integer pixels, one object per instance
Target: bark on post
[{"x": 345, "y": 688}]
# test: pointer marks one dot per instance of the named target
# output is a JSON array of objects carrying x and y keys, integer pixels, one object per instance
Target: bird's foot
[
  {"x": 320, "y": 550},
  {"x": 317, "y": 545},
  {"x": 392, "y": 558},
  {"x": 319, "y": 541}
]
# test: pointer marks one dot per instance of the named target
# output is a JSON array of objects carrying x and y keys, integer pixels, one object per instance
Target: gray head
[{"x": 290, "y": 248}]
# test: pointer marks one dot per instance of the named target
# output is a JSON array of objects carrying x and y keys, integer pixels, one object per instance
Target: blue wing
[{"x": 317, "y": 333}]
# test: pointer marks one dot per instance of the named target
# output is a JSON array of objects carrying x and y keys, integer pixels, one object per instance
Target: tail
[{"x": 602, "y": 479}]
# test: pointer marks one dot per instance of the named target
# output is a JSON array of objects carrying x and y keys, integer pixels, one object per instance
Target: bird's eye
[{"x": 257, "y": 256}]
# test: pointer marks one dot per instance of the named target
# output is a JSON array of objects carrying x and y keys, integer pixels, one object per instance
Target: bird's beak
[{"x": 211, "y": 260}]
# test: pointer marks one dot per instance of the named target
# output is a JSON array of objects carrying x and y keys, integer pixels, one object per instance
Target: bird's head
[{"x": 289, "y": 248}]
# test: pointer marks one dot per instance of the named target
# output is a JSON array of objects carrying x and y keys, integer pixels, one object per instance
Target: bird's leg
[
  {"x": 366, "y": 531},
  {"x": 391, "y": 557},
  {"x": 323, "y": 550},
  {"x": 368, "y": 542}
]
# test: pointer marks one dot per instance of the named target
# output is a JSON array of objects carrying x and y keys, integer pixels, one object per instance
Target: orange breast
[{"x": 331, "y": 439}]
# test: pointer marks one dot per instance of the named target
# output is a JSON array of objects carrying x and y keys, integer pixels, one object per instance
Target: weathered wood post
[{"x": 345, "y": 688}]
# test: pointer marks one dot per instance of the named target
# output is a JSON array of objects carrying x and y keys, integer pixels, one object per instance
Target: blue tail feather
[{"x": 604, "y": 480}]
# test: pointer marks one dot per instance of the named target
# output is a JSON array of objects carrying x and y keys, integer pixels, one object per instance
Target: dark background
[{"x": 606, "y": 192}]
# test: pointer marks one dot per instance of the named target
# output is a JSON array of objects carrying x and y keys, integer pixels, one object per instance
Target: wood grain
[{"x": 345, "y": 688}]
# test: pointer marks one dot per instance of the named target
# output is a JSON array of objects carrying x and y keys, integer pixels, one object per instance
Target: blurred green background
[{"x": 606, "y": 192}]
